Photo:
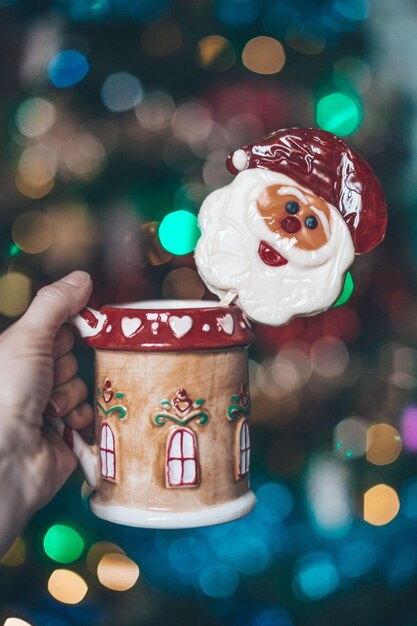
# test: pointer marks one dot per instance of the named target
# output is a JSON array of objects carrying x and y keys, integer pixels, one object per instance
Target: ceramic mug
[{"x": 172, "y": 405}]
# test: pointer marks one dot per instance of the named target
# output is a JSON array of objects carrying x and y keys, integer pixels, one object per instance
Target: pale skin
[{"x": 40, "y": 383}]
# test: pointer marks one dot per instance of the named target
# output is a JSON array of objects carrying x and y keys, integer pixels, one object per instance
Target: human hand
[{"x": 39, "y": 376}]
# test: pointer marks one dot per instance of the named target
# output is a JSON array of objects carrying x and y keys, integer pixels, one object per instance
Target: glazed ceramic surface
[
  {"x": 172, "y": 409},
  {"x": 279, "y": 239}
]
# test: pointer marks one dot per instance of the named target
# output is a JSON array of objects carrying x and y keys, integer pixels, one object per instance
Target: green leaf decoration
[
  {"x": 235, "y": 399},
  {"x": 199, "y": 402},
  {"x": 203, "y": 419},
  {"x": 165, "y": 403},
  {"x": 121, "y": 410},
  {"x": 99, "y": 391},
  {"x": 232, "y": 412},
  {"x": 160, "y": 419},
  {"x": 120, "y": 395}
]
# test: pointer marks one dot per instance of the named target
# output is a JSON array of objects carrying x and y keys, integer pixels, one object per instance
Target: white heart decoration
[
  {"x": 180, "y": 325},
  {"x": 130, "y": 325},
  {"x": 226, "y": 323}
]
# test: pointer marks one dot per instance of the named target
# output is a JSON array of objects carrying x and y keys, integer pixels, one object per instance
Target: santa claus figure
[{"x": 281, "y": 236}]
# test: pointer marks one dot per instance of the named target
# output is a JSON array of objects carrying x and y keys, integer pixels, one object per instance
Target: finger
[
  {"x": 64, "y": 341},
  {"x": 55, "y": 303},
  {"x": 66, "y": 397},
  {"x": 80, "y": 417},
  {"x": 65, "y": 369},
  {"x": 62, "y": 461}
]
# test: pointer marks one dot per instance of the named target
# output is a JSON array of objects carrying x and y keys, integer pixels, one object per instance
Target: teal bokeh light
[
  {"x": 339, "y": 113},
  {"x": 219, "y": 581},
  {"x": 179, "y": 232},
  {"x": 316, "y": 576}
]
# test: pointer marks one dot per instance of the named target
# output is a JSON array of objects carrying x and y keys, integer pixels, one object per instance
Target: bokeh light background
[{"x": 116, "y": 118}]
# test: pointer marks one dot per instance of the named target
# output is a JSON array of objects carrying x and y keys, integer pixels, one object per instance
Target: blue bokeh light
[
  {"x": 219, "y": 581},
  {"x": 357, "y": 558},
  {"x": 353, "y": 9},
  {"x": 67, "y": 68},
  {"x": 187, "y": 555},
  {"x": 315, "y": 576},
  {"x": 273, "y": 617},
  {"x": 409, "y": 499},
  {"x": 237, "y": 12},
  {"x": 274, "y": 500},
  {"x": 402, "y": 563}
]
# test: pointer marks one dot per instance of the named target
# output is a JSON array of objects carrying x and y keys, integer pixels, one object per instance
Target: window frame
[
  {"x": 169, "y": 457},
  {"x": 242, "y": 453},
  {"x": 105, "y": 426}
]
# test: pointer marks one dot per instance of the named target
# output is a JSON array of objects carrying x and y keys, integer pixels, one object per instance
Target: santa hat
[{"x": 326, "y": 165}]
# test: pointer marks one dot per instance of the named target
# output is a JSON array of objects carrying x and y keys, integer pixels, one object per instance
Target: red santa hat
[{"x": 325, "y": 164}]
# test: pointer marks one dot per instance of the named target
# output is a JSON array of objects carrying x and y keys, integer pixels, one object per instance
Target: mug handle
[{"x": 87, "y": 455}]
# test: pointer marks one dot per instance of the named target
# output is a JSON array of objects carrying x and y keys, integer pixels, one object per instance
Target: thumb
[{"x": 55, "y": 303}]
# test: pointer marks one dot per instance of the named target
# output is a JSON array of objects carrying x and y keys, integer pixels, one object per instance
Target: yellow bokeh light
[
  {"x": 15, "y": 291},
  {"x": 33, "y": 191},
  {"x": 31, "y": 231},
  {"x": 215, "y": 53},
  {"x": 16, "y": 554},
  {"x": 117, "y": 572},
  {"x": 67, "y": 587},
  {"x": 383, "y": 443},
  {"x": 98, "y": 550},
  {"x": 263, "y": 55},
  {"x": 36, "y": 170},
  {"x": 380, "y": 505},
  {"x": 37, "y": 165},
  {"x": 16, "y": 621},
  {"x": 72, "y": 221}
]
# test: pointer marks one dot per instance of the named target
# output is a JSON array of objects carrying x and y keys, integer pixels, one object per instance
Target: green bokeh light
[
  {"x": 179, "y": 232},
  {"x": 348, "y": 288},
  {"x": 14, "y": 250},
  {"x": 339, "y": 113},
  {"x": 63, "y": 544}
]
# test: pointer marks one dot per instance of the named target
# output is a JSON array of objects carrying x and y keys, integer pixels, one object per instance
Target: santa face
[
  {"x": 295, "y": 214},
  {"x": 281, "y": 249}
]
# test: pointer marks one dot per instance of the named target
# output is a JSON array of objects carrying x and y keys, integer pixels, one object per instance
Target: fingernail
[
  {"x": 76, "y": 279},
  {"x": 55, "y": 405}
]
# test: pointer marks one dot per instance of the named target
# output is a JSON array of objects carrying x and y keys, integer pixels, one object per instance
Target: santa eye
[
  {"x": 292, "y": 207},
  {"x": 311, "y": 222}
]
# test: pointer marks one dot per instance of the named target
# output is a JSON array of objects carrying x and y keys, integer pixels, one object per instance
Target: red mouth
[{"x": 270, "y": 256}]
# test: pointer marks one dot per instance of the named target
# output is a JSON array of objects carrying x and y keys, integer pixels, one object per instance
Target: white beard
[{"x": 227, "y": 254}]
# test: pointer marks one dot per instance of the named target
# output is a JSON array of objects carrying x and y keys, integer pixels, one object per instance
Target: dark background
[{"x": 101, "y": 181}]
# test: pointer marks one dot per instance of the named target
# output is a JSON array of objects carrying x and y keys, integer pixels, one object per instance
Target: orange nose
[{"x": 290, "y": 224}]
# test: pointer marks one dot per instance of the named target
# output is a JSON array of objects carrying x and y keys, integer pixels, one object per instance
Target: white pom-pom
[{"x": 240, "y": 160}]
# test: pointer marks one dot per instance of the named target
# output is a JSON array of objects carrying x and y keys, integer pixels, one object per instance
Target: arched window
[
  {"x": 182, "y": 459},
  {"x": 107, "y": 452},
  {"x": 244, "y": 449}
]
